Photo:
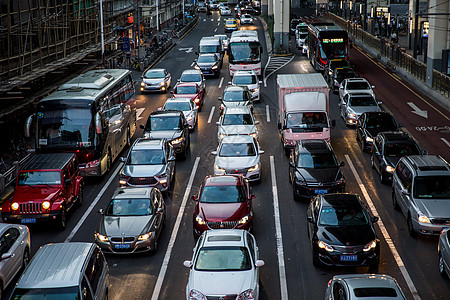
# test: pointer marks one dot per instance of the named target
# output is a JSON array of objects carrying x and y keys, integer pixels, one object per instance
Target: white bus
[{"x": 244, "y": 52}]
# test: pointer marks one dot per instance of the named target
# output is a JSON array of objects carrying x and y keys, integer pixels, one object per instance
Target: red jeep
[{"x": 47, "y": 187}]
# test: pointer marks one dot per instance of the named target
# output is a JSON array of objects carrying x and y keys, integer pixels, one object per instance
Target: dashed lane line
[
  {"x": 211, "y": 114},
  {"x": 220, "y": 83},
  {"x": 268, "y": 113},
  {"x": 445, "y": 141}
]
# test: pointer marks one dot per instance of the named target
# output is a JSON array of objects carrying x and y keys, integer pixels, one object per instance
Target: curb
[{"x": 267, "y": 36}]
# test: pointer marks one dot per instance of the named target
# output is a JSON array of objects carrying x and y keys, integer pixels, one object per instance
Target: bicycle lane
[{"x": 421, "y": 116}]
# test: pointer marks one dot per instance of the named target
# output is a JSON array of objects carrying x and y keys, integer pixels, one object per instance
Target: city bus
[
  {"x": 92, "y": 115},
  {"x": 326, "y": 41},
  {"x": 244, "y": 51}
]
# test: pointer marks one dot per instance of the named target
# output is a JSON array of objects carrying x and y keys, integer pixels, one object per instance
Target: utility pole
[
  {"x": 138, "y": 28},
  {"x": 101, "y": 32},
  {"x": 416, "y": 30}
]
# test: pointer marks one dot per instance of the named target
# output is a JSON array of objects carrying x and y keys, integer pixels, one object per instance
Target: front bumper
[
  {"x": 228, "y": 29},
  {"x": 27, "y": 219},
  {"x": 428, "y": 228},
  {"x": 199, "y": 229},
  {"x": 144, "y": 182},
  {"x": 251, "y": 176},
  {"x": 341, "y": 258},
  {"x": 126, "y": 245},
  {"x": 152, "y": 87}
]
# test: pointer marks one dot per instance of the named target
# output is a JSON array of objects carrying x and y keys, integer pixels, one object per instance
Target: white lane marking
[
  {"x": 139, "y": 111},
  {"x": 220, "y": 83},
  {"x": 211, "y": 114},
  {"x": 268, "y": 113},
  {"x": 278, "y": 66},
  {"x": 265, "y": 81},
  {"x": 204, "y": 20},
  {"x": 384, "y": 231},
  {"x": 279, "y": 237},
  {"x": 212, "y": 20},
  {"x": 215, "y": 30},
  {"x": 91, "y": 207},
  {"x": 446, "y": 142},
  {"x": 193, "y": 63},
  {"x": 418, "y": 111}
]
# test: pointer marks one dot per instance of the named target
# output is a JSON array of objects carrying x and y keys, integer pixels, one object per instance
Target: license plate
[
  {"x": 28, "y": 220},
  {"x": 122, "y": 246},
  {"x": 349, "y": 257},
  {"x": 322, "y": 191}
]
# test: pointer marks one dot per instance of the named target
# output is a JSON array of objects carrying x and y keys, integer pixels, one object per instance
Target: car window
[
  {"x": 343, "y": 216},
  {"x": 316, "y": 160},
  {"x": 237, "y": 119},
  {"x": 339, "y": 291},
  {"x": 174, "y": 105},
  {"x": 375, "y": 292},
  {"x": 223, "y": 259},
  {"x": 245, "y": 79},
  {"x": 404, "y": 175},
  {"x": 156, "y": 199},
  {"x": 358, "y": 85},
  {"x": 316, "y": 208},
  {"x": 86, "y": 290},
  {"x": 223, "y": 194},
  {"x": 239, "y": 95},
  {"x": 39, "y": 178},
  {"x": 237, "y": 149},
  {"x": 432, "y": 187},
  {"x": 401, "y": 149},
  {"x": 12, "y": 235},
  {"x": 152, "y": 74},
  {"x": 5, "y": 243},
  {"x": 129, "y": 207},
  {"x": 251, "y": 246},
  {"x": 94, "y": 269},
  {"x": 146, "y": 157},
  {"x": 378, "y": 143},
  {"x": 190, "y": 77},
  {"x": 362, "y": 101},
  {"x": 190, "y": 89},
  {"x": 382, "y": 123},
  {"x": 160, "y": 123}
]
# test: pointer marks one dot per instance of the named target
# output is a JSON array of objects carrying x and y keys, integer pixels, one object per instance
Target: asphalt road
[{"x": 413, "y": 262}]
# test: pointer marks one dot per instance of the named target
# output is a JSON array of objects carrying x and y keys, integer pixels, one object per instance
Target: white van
[{"x": 211, "y": 44}]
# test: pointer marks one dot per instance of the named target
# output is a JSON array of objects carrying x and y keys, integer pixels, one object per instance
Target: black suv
[
  {"x": 170, "y": 125},
  {"x": 388, "y": 148},
  {"x": 314, "y": 169},
  {"x": 331, "y": 67},
  {"x": 338, "y": 75},
  {"x": 369, "y": 124}
]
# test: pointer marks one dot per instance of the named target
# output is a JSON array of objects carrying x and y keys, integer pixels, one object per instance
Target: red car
[
  {"x": 223, "y": 202},
  {"x": 189, "y": 90}
]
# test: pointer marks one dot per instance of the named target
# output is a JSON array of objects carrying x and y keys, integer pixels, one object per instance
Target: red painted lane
[{"x": 395, "y": 93}]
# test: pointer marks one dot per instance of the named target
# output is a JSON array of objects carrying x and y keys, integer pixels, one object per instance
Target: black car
[
  {"x": 209, "y": 64},
  {"x": 314, "y": 169},
  {"x": 338, "y": 75},
  {"x": 170, "y": 125},
  {"x": 332, "y": 65},
  {"x": 369, "y": 124},
  {"x": 388, "y": 148},
  {"x": 341, "y": 232}
]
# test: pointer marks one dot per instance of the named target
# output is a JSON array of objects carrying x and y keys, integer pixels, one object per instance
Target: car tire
[
  {"x": 25, "y": 259},
  {"x": 80, "y": 196},
  {"x": 155, "y": 247},
  {"x": 382, "y": 177},
  {"x": 128, "y": 138},
  {"x": 371, "y": 162},
  {"x": 108, "y": 162},
  {"x": 294, "y": 194},
  {"x": 411, "y": 230},
  {"x": 442, "y": 270},
  {"x": 63, "y": 219},
  {"x": 394, "y": 201}
]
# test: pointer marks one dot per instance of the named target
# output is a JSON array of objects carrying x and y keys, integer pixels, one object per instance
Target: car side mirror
[
  {"x": 310, "y": 219},
  {"x": 214, "y": 152},
  {"x": 260, "y": 82},
  {"x": 219, "y": 98},
  {"x": 379, "y": 102},
  {"x": 172, "y": 158},
  {"x": 261, "y": 151},
  {"x": 101, "y": 212},
  {"x": 257, "y": 122},
  {"x": 160, "y": 210},
  {"x": 178, "y": 80},
  {"x": 405, "y": 192},
  {"x": 6, "y": 256},
  {"x": 372, "y": 87},
  {"x": 172, "y": 92},
  {"x": 160, "y": 108},
  {"x": 375, "y": 219},
  {"x": 291, "y": 163},
  {"x": 259, "y": 263},
  {"x": 218, "y": 123},
  {"x": 142, "y": 126},
  {"x": 252, "y": 196},
  {"x": 229, "y": 82},
  {"x": 187, "y": 263},
  {"x": 122, "y": 159},
  {"x": 194, "y": 198},
  {"x": 341, "y": 164},
  {"x": 279, "y": 125}
]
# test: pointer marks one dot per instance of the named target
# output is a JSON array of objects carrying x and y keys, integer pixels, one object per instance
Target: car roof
[
  {"x": 221, "y": 237},
  {"x": 397, "y": 136},
  {"x": 357, "y": 79},
  {"x": 340, "y": 200},
  {"x": 235, "y": 88},
  {"x": 187, "y": 83},
  {"x": 132, "y": 193},
  {"x": 428, "y": 164},
  {"x": 360, "y": 94},
  {"x": 54, "y": 161},
  {"x": 244, "y": 73},
  {"x": 144, "y": 144},
  {"x": 316, "y": 146},
  {"x": 213, "y": 180},
  {"x": 237, "y": 139},
  {"x": 170, "y": 113},
  {"x": 236, "y": 110},
  {"x": 191, "y": 71}
]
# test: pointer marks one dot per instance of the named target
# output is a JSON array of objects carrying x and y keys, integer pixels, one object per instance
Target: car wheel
[
  {"x": 442, "y": 270},
  {"x": 394, "y": 201},
  {"x": 62, "y": 219},
  {"x": 108, "y": 162},
  {"x": 371, "y": 162},
  {"x": 294, "y": 194},
  {"x": 382, "y": 177},
  {"x": 128, "y": 139},
  {"x": 155, "y": 246},
  {"x": 25, "y": 259},
  {"x": 80, "y": 196},
  {"x": 411, "y": 230}
]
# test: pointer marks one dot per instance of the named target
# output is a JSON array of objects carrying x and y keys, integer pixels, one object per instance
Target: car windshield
[
  {"x": 152, "y": 74},
  {"x": 230, "y": 22},
  {"x": 362, "y": 101},
  {"x": 382, "y": 123},
  {"x": 358, "y": 85},
  {"x": 39, "y": 178},
  {"x": 246, "y": 16},
  {"x": 66, "y": 293},
  {"x": 223, "y": 259},
  {"x": 191, "y": 77},
  {"x": 157, "y": 123},
  {"x": 237, "y": 119},
  {"x": 186, "y": 89},
  {"x": 306, "y": 120},
  {"x": 230, "y": 96},
  {"x": 146, "y": 157},
  {"x": 206, "y": 59},
  {"x": 223, "y": 194},
  {"x": 245, "y": 79},
  {"x": 316, "y": 161},
  {"x": 343, "y": 216},
  {"x": 338, "y": 64},
  {"x": 237, "y": 150},
  {"x": 129, "y": 207},
  {"x": 401, "y": 149},
  {"x": 209, "y": 49},
  {"x": 345, "y": 73},
  {"x": 433, "y": 187},
  {"x": 173, "y": 105}
]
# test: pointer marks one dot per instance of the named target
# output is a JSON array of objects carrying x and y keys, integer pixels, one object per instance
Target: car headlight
[
  {"x": 325, "y": 246},
  {"x": 144, "y": 237},
  {"x": 162, "y": 178},
  {"x": 300, "y": 181},
  {"x": 390, "y": 169},
  {"x": 177, "y": 141},
  {"x": 199, "y": 220},
  {"x": 15, "y": 206},
  {"x": 102, "y": 238},
  {"x": 340, "y": 181},
  {"x": 196, "y": 295},
  {"x": 369, "y": 139},
  {"x": 247, "y": 295},
  {"x": 422, "y": 218},
  {"x": 218, "y": 169},
  {"x": 196, "y": 100},
  {"x": 289, "y": 142},
  {"x": 162, "y": 83},
  {"x": 352, "y": 115},
  {"x": 330, "y": 73},
  {"x": 244, "y": 220},
  {"x": 222, "y": 135},
  {"x": 370, "y": 246},
  {"x": 215, "y": 67},
  {"x": 196, "y": 67},
  {"x": 254, "y": 168},
  {"x": 123, "y": 179},
  {"x": 46, "y": 204},
  {"x": 142, "y": 83},
  {"x": 254, "y": 134}
]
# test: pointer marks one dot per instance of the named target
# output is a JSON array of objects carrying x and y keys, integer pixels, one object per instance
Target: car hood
[
  {"x": 125, "y": 226},
  {"x": 346, "y": 235},
  {"x": 237, "y": 129},
  {"x": 163, "y": 134},
  {"x": 153, "y": 80},
  {"x": 191, "y": 96},
  {"x": 392, "y": 161},
  {"x": 250, "y": 86},
  {"x": 372, "y": 132},
  {"x": 36, "y": 193},
  {"x": 237, "y": 162},
  {"x": 235, "y": 103},
  {"x": 360, "y": 109},
  {"x": 434, "y": 208},
  {"x": 206, "y": 65},
  {"x": 216, "y": 212},
  {"x": 318, "y": 175},
  {"x": 142, "y": 170},
  {"x": 212, "y": 283}
]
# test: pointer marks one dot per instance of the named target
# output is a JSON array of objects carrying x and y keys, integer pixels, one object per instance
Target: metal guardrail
[{"x": 9, "y": 177}]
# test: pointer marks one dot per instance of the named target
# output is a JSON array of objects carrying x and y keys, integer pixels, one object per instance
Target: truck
[{"x": 303, "y": 108}]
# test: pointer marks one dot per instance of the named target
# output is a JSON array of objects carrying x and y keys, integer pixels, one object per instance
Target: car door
[
  {"x": 96, "y": 273},
  {"x": 253, "y": 249},
  {"x": 404, "y": 181},
  {"x": 338, "y": 291},
  {"x": 68, "y": 186},
  {"x": 343, "y": 106},
  {"x": 360, "y": 128},
  {"x": 158, "y": 209},
  {"x": 167, "y": 78},
  {"x": 377, "y": 153},
  {"x": 292, "y": 164},
  {"x": 313, "y": 212},
  {"x": 341, "y": 89},
  {"x": 9, "y": 244}
]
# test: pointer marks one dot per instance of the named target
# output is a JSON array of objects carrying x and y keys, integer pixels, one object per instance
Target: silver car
[
  {"x": 238, "y": 154},
  {"x": 14, "y": 252},
  {"x": 354, "y": 104},
  {"x": 225, "y": 11},
  {"x": 250, "y": 80},
  {"x": 195, "y": 76},
  {"x": 246, "y": 19},
  {"x": 444, "y": 253},
  {"x": 132, "y": 221},
  {"x": 236, "y": 96},
  {"x": 187, "y": 106},
  {"x": 355, "y": 85},
  {"x": 361, "y": 286},
  {"x": 237, "y": 121},
  {"x": 224, "y": 256},
  {"x": 156, "y": 80}
]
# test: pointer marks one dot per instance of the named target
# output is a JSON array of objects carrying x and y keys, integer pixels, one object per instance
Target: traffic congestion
[{"x": 209, "y": 177}]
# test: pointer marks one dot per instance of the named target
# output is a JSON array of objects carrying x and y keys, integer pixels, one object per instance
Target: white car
[
  {"x": 246, "y": 19},
  {"x": 238, "y": 154},
  {"x": 354, "y": 104},
  {"x": 237, "y": 121},
  {"x": 225, "y": 11},
  {"x": 355, "y": 85},
  {"x": 195, "y": 76},
  {"x": 236, "y": 96},
  {"x": 225, "y": 264},
  {"x": 187, "y": 106},
  {"x": 249, "y": 79},
  {"x": 156, "y": 80},
  {"x": 225, "y": 40}
]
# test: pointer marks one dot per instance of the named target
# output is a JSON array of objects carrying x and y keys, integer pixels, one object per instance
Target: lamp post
[{"x": 102, "y": 33}]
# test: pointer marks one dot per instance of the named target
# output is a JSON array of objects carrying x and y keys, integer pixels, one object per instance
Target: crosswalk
[{"x": 275, "y": 63}]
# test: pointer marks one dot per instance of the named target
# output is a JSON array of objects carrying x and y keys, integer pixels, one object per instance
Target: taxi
[{"x": 231, "y": 25}]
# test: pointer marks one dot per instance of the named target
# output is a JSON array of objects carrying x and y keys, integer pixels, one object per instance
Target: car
[
  {"x": 341, "y": 232},
  {"x": 387, "y": 149},
  {"x": 195, "y": 76},
  {"x": 237, "y": 121},
  {"x": 223, "y": 202},
  {"x": 246, "y": 19},
  {"x": 444, "y": 253},
  {"x": 222, "y": 256},
  {"x": 15, "y": 247},
  {"x": 209, "y": 63},
  {"x": 201, "y": 7},
  {"x": 301, "y": 34},
  {"x": 332, "y": 65},
  {"x": 48, "y": 187},
  {"x": 149, "y": 163},
  {"x": 213, "y": 5},
  {"x": 361, "y": 286},
  {"x": 421, "y": 191},
  {"x": 369, "y": 124},
  {"x": 189, "y": 90},
  {"x": 225, "y": 40},
  {"x": 338, "y": 75},
  {"x": 238, "y": 154},
  {"x": 170, "y": 125},
  {"x": 187, "y": 106},
  {"x": 236, "y": 96},
  {"x": 248, "y": 79},
  {"x": 354, "y": 104},
  {"x": 314, "y": 169},
  {"x": 230, "y": 25},
  {"x": 225, "y": 11},
  {"x": 156, "y": 80},
  {"x": 355, "y": 85},
  {"x": 132, "y": 221},
  {"x": 294, "y": 23}
]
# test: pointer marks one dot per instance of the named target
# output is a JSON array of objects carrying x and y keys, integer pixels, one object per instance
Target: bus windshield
[
  {"x": 333, "y": 45},
  {"x": 248, "y": 52}
]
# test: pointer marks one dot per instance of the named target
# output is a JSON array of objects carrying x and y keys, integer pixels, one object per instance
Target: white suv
[{"x": 248, "y": 79}]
